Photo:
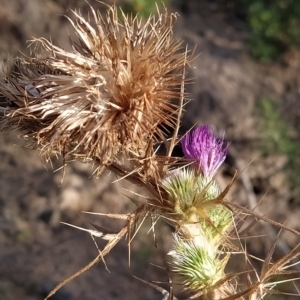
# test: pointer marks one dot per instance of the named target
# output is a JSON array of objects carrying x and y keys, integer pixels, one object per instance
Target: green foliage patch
[
  {"x": 144, "y": 7},
  {"x": 275, "y": 26},
  {"x": 281, "y": 138}
]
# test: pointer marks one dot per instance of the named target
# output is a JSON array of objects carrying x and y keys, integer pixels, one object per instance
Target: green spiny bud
[
  {"x": 200, "y": 267},
  {"x": 220, "y": 219},
  {"x": 199, "y": 218},
  {"x": 187, "y": 189}
]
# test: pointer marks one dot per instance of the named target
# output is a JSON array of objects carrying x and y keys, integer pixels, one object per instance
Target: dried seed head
[{"x": 112, "y": 94}]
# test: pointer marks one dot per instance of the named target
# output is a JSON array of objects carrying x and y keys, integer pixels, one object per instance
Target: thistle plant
[
  {"x": 202, "y": 221},
  {"x": 112, "y": 101}
]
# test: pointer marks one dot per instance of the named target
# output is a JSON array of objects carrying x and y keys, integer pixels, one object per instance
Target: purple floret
[{"x": 205, "y": 148}]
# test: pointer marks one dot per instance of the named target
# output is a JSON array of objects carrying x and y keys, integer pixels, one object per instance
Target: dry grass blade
[
  {"x": 265, "y": 219},
  {"x": 130, "y": 225},
  {"x": 265, "y": 285},
  {"x": 171, "y": 145},
  {"x": 166, "y": 294},
  {"x": 107, "y": 248},
  {"x": 100, "y": 232}
]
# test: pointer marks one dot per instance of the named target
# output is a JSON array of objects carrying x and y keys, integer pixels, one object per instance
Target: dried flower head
[
  {"x": 205, "y": 148},
  {"x": 112, "y": 94}
]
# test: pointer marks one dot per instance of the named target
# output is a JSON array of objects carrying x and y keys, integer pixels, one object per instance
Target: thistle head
[
  {"x": 188, "y": 189},
  {"x": 199, "y": 266},
  {"x": 208, "y": 151},
  {"x": 108, "y": 97}
]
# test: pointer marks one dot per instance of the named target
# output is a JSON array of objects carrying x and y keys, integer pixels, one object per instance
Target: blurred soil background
[{"x": 242, "y": 84}]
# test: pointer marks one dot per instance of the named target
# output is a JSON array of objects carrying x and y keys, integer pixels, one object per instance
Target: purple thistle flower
[{"x": 205, "y": 148}]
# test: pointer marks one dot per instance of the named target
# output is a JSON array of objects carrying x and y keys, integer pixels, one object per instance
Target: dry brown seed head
[{"x": 110, "y": 95}]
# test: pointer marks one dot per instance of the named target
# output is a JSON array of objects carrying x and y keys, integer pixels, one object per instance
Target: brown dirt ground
[{"x": 37, "y": 252}]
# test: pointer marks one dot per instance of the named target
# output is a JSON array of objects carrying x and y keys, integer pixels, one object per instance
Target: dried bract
[{"x": 110, "y": 97}]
